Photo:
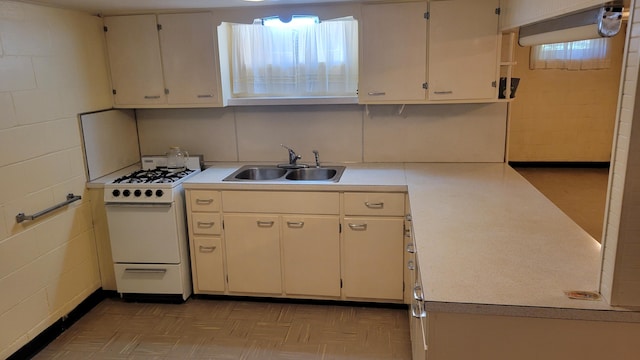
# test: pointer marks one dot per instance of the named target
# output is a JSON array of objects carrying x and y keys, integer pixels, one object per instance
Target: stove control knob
[
  {"x": 115, "y": 193},
  {"x": 137, "y": 193},
  {"x": 126, "y": 193},
  {"x": 159, "y": 193},
  {"x": 148, "y": 193}
]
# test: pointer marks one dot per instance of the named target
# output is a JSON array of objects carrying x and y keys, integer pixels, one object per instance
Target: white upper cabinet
[
  {"x": 188, "y": 58},
  {"x": 134, "y": 56},
  {"x": 168, "y": 61},
  {"x": 463, "y": 49},
  {"x": 393, "y": 52}
]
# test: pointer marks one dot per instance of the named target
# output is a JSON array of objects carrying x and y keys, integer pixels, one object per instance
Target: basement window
[
  {"x": 300, "y": 58},
  {"x": 590, "y": 54}
]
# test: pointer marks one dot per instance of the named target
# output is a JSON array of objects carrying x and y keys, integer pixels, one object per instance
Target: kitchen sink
[
  {"x": 271, "y": 173},
  {"x": 312, "y": 174},
  {"x": 260, "y": 173}
]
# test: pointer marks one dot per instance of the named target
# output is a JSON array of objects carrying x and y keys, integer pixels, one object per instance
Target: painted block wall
[
  {"x": 52, "y": 67},
  {"x": 620, "y": 279},
  {"x": 565, "y": 115}
]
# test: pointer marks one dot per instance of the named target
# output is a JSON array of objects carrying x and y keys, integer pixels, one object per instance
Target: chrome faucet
[
  {"x": 293, "y": 157},
  {"x": 317, "y": 155}
]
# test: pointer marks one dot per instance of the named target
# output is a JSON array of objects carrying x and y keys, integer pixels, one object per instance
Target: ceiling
[{"x": 107, "y": 7}]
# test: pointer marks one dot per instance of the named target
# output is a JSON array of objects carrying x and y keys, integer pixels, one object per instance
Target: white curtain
[
  {"x": 312, "y": 60},
  {"x": 578, "y": 55}
]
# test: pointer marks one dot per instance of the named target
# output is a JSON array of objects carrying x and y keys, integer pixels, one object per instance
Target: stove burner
[{"x": 152, "y": 176}]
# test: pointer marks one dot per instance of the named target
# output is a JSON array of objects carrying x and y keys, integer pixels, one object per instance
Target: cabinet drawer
[
  {"x": 383, "y": 204},
  {"x": 209, "y": 264},
  {"x": 149, "y": 278},
  {"x": 204, "y": 200},
  {"x": 206, "y": 223},
  {"x": 288, "y": 202}
]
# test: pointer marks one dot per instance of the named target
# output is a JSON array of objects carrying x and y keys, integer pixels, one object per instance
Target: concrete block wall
[{"x": 52, "y": 67}]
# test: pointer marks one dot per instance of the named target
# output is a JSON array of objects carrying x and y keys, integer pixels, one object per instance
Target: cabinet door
[
  {"x": 252, "y": 247},
  {"x": 208, "y": 264},
  {"x": 134, "y": 57},
  {"x": 373, "y": 258},
  {"x": 311, "y": 255},
  {"x": 463, "y": 49},
  {"x": 188, "y": 58},
  {"x": 393, "y": 56}
]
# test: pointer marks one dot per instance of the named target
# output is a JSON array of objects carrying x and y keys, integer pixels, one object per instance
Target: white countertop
[{"x": 487, "y": 240}]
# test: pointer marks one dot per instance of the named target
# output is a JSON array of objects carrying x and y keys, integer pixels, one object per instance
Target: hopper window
[{"x": 577, "y": 55}]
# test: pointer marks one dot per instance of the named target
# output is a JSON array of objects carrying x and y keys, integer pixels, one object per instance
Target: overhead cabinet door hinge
[
  {"x": 493, "y": 84},
  {"x": 113, "y": 91},
  {"x": 425, "y": 86},
  {"x": 498, "y": 11},
  {"x": 105, "y": 28},
  {"x": 159, "y": 27},
  {"x": 427, "y": 15}
]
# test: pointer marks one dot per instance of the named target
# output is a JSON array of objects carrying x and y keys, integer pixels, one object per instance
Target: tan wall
[
  {"x": 563, "y": 115},
  {"x": 52, "y": 67}
]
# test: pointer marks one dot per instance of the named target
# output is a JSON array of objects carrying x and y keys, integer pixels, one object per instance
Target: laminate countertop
[{"x": 487, "y": 241}]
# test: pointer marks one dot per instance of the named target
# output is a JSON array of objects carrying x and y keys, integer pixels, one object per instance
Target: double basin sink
[{"x": 283, "y": 174}]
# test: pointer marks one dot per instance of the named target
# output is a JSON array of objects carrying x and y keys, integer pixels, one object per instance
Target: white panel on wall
[
  {"x": 335, "y": 131},
  {"x": 521, "y": 12},
  {"x": 209, "y": 132},
  {"x": 435, "y": 133},
  {"x": 110, "y": 141}
]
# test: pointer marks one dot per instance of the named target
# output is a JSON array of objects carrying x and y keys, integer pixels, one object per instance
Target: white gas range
[{"x": 147, "y": 229}]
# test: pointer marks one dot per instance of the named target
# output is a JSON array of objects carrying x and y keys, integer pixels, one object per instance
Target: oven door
[{"x": 143, "y": 233}]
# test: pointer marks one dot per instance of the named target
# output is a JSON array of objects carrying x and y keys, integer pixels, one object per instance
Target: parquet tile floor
[{"x": 230, "y": 329}]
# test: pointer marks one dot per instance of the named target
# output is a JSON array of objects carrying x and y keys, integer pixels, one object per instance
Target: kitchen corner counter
[{"x": 487, "y": 241}]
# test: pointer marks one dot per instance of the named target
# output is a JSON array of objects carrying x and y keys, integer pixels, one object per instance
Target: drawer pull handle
[
  {"x": 204, "y": 201},
  {"x": 411, "y": 248},
  {"x": 145, "y": 271},
  {"x": 376, "y": 93},
  {"x": 201, "y": 96},
  {"x": 202, "y": 224},
  {"x": 265, "y": 223},
  {"x": 443, "y": 92},
  {"x": 374, "y": 205},
  {"x": 151, "y": 97},
  {"x": 417, "y": 293},
  {"x": 411, "y": 265},
  {"x": 207, "y": 249},
  {"x": 358, "y": 227},
  {"x": 295, "y": 224}
]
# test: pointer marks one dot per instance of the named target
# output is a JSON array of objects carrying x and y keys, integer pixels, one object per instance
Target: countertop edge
[{"x": 610, "y": 315}]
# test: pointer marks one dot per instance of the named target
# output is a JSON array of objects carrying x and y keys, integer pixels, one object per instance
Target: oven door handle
[{"x": 147, "y": 205}]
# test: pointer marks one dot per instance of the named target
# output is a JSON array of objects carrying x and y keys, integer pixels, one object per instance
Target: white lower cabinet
[
  {"x": 209, "y": 264},
  {"x": 298, "y": 244},
  {"x": 311, "y": 247},
  {"x": 252, "y": 244},
  {"x": 373, "y": 258}
]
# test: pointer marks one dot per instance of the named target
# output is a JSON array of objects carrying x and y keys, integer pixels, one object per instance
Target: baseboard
[
  {"x": 560, "y": 164},
  {"x": 328, "y": 302},
  {"x": 41, "y": 341}
]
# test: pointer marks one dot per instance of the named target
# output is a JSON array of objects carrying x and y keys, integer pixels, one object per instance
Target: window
[
  {"x": 301, "y": 58},
  {"x": 577, "y": 55}
]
